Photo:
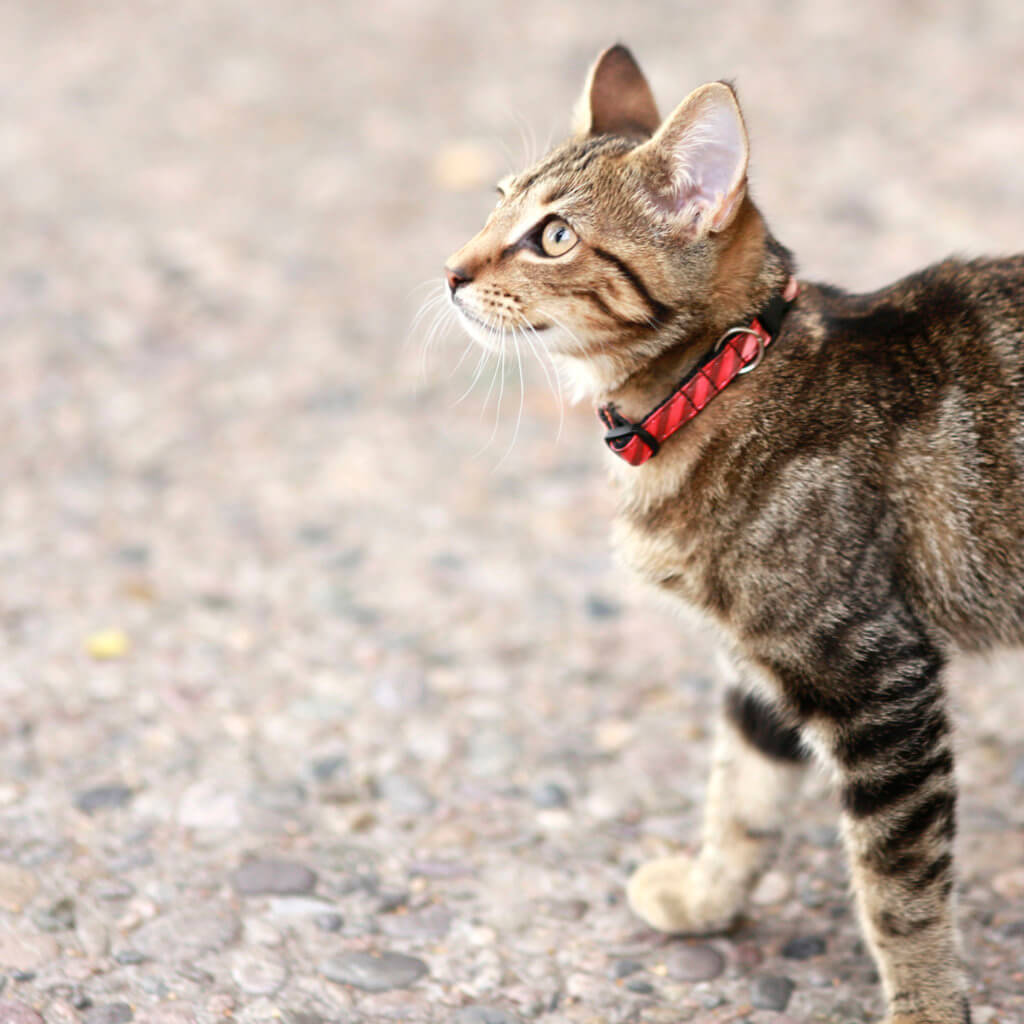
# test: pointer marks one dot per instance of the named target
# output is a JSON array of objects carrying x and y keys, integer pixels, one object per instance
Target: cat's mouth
[{"x": 493, "y": 326}]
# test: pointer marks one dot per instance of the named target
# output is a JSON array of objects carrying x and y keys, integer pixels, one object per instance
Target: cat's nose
[{"x": 456, "y": 278}]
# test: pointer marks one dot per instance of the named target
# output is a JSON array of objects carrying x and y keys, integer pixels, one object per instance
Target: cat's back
[{"x": 922, "y": 382}]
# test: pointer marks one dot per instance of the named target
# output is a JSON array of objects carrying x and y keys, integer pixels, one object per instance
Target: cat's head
[{"x": 619, "y": 243}]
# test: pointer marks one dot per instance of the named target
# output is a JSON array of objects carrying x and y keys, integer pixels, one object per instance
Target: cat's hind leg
[{"x": 757, "y": 765}]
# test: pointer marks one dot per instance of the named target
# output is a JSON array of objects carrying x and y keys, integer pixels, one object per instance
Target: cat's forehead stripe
[{"x": 572, "y": 160}]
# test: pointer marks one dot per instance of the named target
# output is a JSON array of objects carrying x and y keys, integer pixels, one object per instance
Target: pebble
[
  {"x": 111, "y": 1013},
  {"x": 1010, "y": 884},
  {"x": 111, "y": 889},
  {"x": 258, "y": 975},
  {"x": 640, "y": 986},
  {"x": 273, "y": 878},
  {"x": 58, "y": 917},
  {"x": 130, "y": 957},
  {"x": 804, "y": 947},
  {"x": 23, "y": 953},
  {"x": 17, "y": 887},
  {"x": 187, "y": 933},
  {"x": 599, "y": 607},
  {"x": 548, "y": 795},
  {"x": 430, "y": 923},
  {"x": 208, "y": 805},
  {"x": 18, "y": 1013},
  {"x": 260, "y": 933},
  {"x": 405, "y": 794},
  {"x": 1018, "y": 771},
  {"x": 325, "y": 769},
  {"x": 102, "y": 798},
  {"x": 374, "y": 973},
  {"x": 329, "y": 922},
  {"x": 771, "y": 992},
  {"x": 694, "y": 963},
  {"x": 624, "y": 968},
  {"x": 812, "y": 892},
  {"x": 485, "y": 1015},
  {"x": 773, "y": 887}
]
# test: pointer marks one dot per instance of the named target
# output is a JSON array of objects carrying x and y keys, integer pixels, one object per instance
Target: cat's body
[{"x": 850, "y": 513}]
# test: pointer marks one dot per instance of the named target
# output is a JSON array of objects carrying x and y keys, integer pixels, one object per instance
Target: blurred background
[{"x": 322, "y": 699}]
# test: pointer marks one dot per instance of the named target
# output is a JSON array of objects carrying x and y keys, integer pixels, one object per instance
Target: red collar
[{"x": 738, "y": 351}]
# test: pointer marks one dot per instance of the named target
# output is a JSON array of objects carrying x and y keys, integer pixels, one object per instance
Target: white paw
[{"x": 679, "y": 895}]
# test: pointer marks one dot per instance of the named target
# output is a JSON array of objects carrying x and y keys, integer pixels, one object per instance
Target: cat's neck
[{"x": 751, "y": 268}]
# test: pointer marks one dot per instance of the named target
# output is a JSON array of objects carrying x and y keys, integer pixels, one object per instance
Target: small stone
[
  {"x": 390, "y": 900},
  {"x": 1018, "y": 771},
  {"x": 273, "y": 878},
  {"x": 284, "y": 797},
  {"x": 405, "y": 794},
  {"x": 325, "y": 769},
  {"x": 774, "y": 887},
  {"x": 567, "y": 910},
  {"x": 549, "y": 794},
  {"x": 187, "y": 933},
  {"x": 600, "y": 607},
  {"x": 712, "y": 1000},
  {"x": 329, "y": 922},
  {"x": 107, "y": 645},
  {"x": 18, "y": 1013},
  {"x": 260, "y": 933},
  {"x": 485, "y": 1015},
  {"x": 207, "y": 805},
  {"x": 102, "y": 798},
  {"x": 694, "y": 963},
  {"x": 431, "y": 923},
  {"x": 811, "y": 892},
  {"x": 17, "y": 887},
  {"x": 804, "y": 947},
  {"x": 771, "y": 992},
  {"x": 1010, "y": 884},
  {"x": 22, "y": 954},
  {"x": 613, "y": 734},
  {"x": 374, "y": 973},
  {"x": 111, "y": 889},
  {"x": 823, "y": 836},
  {"x": 91, "y": 932},
  {"x": 258, "y": 975},
  {"x": 641, "y": 987},
  {"x": 111, "y": 1013},
  {"x": 298, "y": 906},
  {"x": 57, "y": 918},
  {"x": 624, "y": 968},
  {"x": 130, "y": 957}
]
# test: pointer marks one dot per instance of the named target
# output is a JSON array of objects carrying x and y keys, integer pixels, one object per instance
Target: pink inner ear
[{"x": 709, "y": 159}]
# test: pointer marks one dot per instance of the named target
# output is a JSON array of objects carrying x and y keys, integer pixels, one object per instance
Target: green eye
[{"x": 557, "y": 238}]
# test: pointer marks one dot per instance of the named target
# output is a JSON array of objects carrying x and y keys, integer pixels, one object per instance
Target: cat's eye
[{"x": 557, "y": 238}]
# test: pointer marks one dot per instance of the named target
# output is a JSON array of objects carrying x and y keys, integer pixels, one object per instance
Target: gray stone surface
[
  {"x": 695, "y": 963},
  {"x": 273, "y": 877},
  {"x": 257, "y": 556},
  {"x": 374, "y": 972},
  {"x": 771, "y": 991}
]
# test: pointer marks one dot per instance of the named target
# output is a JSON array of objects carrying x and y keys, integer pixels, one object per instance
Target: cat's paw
[{"x": 679, "y": 895}]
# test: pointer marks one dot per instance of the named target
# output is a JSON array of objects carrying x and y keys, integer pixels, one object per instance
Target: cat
[{"x": 836, "y": 481}]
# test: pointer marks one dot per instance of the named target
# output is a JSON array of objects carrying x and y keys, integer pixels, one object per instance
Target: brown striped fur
[{"x": 849, "y": 515}]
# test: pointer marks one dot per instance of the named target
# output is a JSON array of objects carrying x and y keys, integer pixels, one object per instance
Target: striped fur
[{"x": 849, "y": 515}]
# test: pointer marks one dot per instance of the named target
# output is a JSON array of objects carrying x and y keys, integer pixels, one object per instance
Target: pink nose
[{"x": 456, "y": 278}]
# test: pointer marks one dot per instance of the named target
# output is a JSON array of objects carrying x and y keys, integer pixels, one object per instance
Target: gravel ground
[{"x": 312, "y": 710}]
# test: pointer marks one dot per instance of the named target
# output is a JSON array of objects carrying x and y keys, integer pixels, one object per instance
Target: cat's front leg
[
  {"x": 758, "y": 763},
  {"x": 895, "y": 762}
]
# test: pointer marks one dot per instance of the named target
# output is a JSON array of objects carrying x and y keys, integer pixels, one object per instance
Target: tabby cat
[{"x": 849, "y": 514}]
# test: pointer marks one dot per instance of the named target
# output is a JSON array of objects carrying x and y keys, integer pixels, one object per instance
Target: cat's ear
[
  {"x": 616, "y": 98},
  {"x": 698, "y": 159}
]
